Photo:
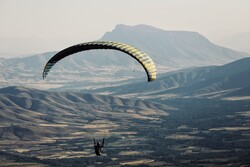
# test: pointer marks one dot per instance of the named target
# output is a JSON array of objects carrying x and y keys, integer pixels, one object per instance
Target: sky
[{"x": 35, "y": 26}]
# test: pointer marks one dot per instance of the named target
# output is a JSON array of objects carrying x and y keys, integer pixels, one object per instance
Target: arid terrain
[
  {"x": 196, "y": 112},
  {"x": 41, "y": 128}
]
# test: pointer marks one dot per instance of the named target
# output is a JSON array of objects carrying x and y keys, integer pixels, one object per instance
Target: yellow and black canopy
[{"x": 140, "y": 56}]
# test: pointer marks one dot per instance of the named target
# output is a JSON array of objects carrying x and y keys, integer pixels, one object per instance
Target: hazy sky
[{"x": 69, "y": 21}]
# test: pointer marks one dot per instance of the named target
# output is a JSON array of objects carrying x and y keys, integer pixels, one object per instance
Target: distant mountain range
[
  {"x": 228, "y": 81},
  {"x": 239, "y": 42},
  {"x": 171, "y": 50}
]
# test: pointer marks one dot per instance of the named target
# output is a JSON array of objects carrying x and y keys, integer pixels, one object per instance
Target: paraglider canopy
[{"x": 146, "y": 62}]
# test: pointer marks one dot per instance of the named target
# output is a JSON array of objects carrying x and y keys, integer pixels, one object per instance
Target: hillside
[
  {"x": 171, "y": 50},
  {"x": 42, "y": 128},
  {"x": 30, "y": 113},
  {"x": 228, "y": 81}
]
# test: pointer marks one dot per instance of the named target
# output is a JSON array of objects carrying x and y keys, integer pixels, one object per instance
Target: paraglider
[
  {"x": 146, "y": 62},
  {"x": 98, "y": 147}
]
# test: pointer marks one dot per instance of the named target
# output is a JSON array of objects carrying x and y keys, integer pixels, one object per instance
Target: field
[{"x": 194, "y": 132}]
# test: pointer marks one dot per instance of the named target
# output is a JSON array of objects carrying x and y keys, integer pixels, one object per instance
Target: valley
[{"x": 177, "y": 132}]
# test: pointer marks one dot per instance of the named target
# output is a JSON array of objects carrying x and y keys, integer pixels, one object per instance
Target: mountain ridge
[
  {"x": 213, "y": 81},
  {"x": 170, "y": 50}
]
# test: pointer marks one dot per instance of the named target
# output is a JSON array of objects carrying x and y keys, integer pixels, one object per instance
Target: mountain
[
  {"x": 6, "y": 54},
  {"x": 12, "y": 47},
  {"x": 239, "y": 42},
  {"x": 171, "y": 50},
  {"x": 227, "y": 81},
  {"x": 30, "y": 113}
]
